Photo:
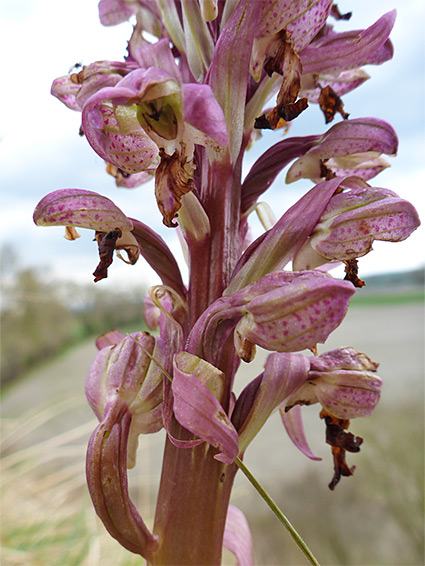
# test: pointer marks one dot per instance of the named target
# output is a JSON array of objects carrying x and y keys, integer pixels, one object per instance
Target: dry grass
[
  {"x": 47, "y": 515},
  {"x": 375, "y": 518}
]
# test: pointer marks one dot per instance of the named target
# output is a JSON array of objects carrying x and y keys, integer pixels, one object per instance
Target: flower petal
[
  {"x": 292, "y": 422},
  {"x": 112, "y": 12},
  {"x": 339, "y": 52},
  {"x": 156, "y": 252},
  {"x": 65, "y": 90},
  {"x": 341, "y": 82},
  {"x": 78, "y": 207},
  {"x": 229, "y": 81},
  {"x": 294, "y": 310},
  {"x": 270, "y": 164},
  {"x": 274, "y": 249},
  {"x": 108, "y": 485},
  {"x": 131, "y": 152},
  {"x": 362, "y": 138},
  {"x": 348, "y": 394},
  {"x": 283, "y": 374},
  {"x": 237, "y": 537},
  {"x": 202, "y": 111},
  {"x": 199, "y": 43},
  {"x": 355, "y": 218},
  {"x": 198, "y": 410}
]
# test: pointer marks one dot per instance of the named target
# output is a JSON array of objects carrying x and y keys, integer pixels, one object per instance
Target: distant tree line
[{"x": 40, "y": 318}]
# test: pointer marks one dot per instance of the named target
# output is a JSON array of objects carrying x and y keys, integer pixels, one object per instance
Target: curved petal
[
  {"x": 349, "y": 394},
  {"x": 229, "y": 81},
  {"x": 292, "y": 422},
  {"x": 202, "y": 111},
  {"x": 283, "y": 374},
  {"x": 274, "y": 249},
  {"x": 156, "y": 252},
  {"x": 197, "y": 409},
  {"x": 299, "y": 312},
  {"x": 112, "y": 12},
  {"x": 355, "y": 218},
  {"x": 341, "y": 82},
  {"x": 237, "y": 537},
  {"x": 131, "y": 152},
  {"x": 78, "y": 207},
  {"x": 352, "y": 144},
  {"x": 108, "y": 485},
  {"x": 343, "y": 382},
  {"x": 338, "y": 52},
  {"x": 65, "y": 90},
  {"x": 270, "y": 164}
]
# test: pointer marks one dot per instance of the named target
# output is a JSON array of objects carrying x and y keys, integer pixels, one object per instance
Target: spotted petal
[{"x": 78, "y": 207}]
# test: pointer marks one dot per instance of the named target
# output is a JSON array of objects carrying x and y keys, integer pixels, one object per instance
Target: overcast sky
[{"x": 41, "y": 151}]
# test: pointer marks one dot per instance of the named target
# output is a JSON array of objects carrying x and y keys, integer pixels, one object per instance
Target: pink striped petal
[
  {"x": 292, "y": 422},
  {"x": 237, "y": 537},
  {"x": 283, "y": 374},
  {"x": 106, "y": 470},
  {"x": 350, "y": 50}
]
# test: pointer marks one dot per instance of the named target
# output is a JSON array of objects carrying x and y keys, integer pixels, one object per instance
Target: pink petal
[
  {"x": 108, "y": 485},
  {"x": 65, "y": 90},
  {"x": 277, "y": 247},
  {"x": 355, "y": 218},
  {"x": 294, "y": 427},
  {"x": 112, "y": 12},
  {"x": 198, "y": 410},
  {"x": 300, "y": 311},
  {"x": 78, "y": 207},
  {"x": 110, "y": 338},
  {"x": 338, "y": 52},
  {"x": 283, "y": 374},
  {"x": 237, "y": 537},
  {"x": 131, "y": 152},
  {"x": 202, "y": 111}
]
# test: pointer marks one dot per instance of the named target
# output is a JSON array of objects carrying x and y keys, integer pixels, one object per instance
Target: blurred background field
[{"x": 374, "y": 518}]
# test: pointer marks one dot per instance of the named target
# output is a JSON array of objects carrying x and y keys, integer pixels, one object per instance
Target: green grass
[{"x": 386, "y": 299}]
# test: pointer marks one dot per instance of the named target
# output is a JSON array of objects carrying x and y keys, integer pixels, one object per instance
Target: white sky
[{"x": 41, "y": 151}]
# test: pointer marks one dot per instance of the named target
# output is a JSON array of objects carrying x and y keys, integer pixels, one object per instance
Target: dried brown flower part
[
  {"x": 331, "y": 103},
  {"x": 340, "y": 442},
  {"x": 173, "y": 179},
  {"x": 106, "y": 243},
  {"x": 335, "y": 13},
  {"x": 327, "y": 173},
  {"x": 352, "y": 270},
  {"x": 287, "y": 63}
]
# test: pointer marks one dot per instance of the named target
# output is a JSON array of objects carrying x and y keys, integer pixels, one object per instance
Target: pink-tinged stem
[
  {"x": 192, "y": 505},
  {"x": 195, "y": 488},
  {"x": 221, "y": 190}
]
